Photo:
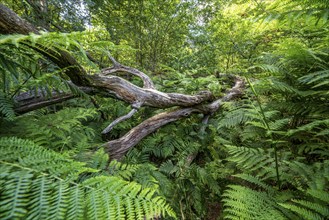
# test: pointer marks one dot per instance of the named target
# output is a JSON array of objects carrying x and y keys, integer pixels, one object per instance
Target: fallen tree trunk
[
  {"x": 117, "y": 148},
  {"x": 106, "y": 84}
]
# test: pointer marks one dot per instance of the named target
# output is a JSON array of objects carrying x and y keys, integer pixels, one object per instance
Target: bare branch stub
[{"x": 135, "y": 106}]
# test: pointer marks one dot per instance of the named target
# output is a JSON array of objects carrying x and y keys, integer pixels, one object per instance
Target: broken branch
[
  {"x": 135, "y": 107},
  {"x": 117, "y": 148}
]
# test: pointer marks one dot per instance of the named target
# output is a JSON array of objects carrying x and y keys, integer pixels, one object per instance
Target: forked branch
[
  {"x": 117, "y": 148},
  {"x": 118, "y": 67}
]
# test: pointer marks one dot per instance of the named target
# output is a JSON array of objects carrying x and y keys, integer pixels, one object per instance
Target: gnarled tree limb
[
  {"x": 117, "y": 148},
  {"x": 117, "y": 67}
]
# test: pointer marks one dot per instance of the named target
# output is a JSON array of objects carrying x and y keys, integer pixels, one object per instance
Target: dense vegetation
[{"x": 263, "y": 155}]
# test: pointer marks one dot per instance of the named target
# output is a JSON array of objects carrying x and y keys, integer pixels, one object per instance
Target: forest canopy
[{"x": 164, "y": 109}]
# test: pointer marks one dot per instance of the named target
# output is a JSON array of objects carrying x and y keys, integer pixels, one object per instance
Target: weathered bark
[
  {"x": 37, "y": 103},
  {"x": 130, "y": 93},
  {"x": 117, "y": 148},
  {"x": 117, "y": 67},
  {"x": 32, "y": 100},
  {"x": 114, "y": 86},
  {"x": 10, "y": 23}
]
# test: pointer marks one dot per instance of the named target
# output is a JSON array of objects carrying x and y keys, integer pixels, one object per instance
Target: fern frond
[
  {"x": 317, "y": 124},
  {"x": 76, "y": 202},
  {"x": 6, "y": 107},
  {"x": 126, "y": 171},
  {"x": 168, "y": 167},
  {"x": 61, "y": 130},
  {"x": 235, "y": 118},
  {"x": 319, "y": 194},
  {"x": 252, "y": 159},
  {"x": 99, "y": 159},
  {"x": 318, "y": 78},
  {"x": 312, "y": 176},
  {"x": 31, "y": 190},
  {"x": 14, "y": 193},
  {"x": 307, "y": 214},
  {"x": 256, "y": 181},
  {"x": 27, "y": 153},
  {"x": 279, "y": 124},
  {"x": 244, "y": 203},
  {"x": 319, "y": 208}
]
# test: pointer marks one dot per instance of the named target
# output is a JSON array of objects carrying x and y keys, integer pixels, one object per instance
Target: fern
[
  {"x": 28, "y": 154},
  {"x": 253, "y": 160},
  {"x": 49, "y": 188},
  {"x": 123, "y": 170},
  {"x": 291, "y": 11},
  {"x": 23, "y": 69},
  {"x": 256, "y": 181},
  {"x": 317, "y": 79},
  {"x": 312, "y": 177},
  {"x": 6, "y": 107},
  {"x": 61, "y": 130},
  {"x": 244, "y": 203},
  {"x": 314, "y": 208},
  {"x": 310, "y": 180},
  {"x": 307, "y": 209}
]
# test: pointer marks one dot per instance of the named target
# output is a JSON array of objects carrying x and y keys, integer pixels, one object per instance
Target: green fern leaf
[
  {"x": 75, "y": 203},
  {"x": 244, "y": 203},
  {"x": 319, "y": 208},
  {"x": 319, "y": 194},
  {"x": 14, "y": 194},
  {"x": 6, "y": 107},
  {"x": 32, "y": 189},
  {"x": 40, "y": 197},
  {"x": 307, "y": 214}
]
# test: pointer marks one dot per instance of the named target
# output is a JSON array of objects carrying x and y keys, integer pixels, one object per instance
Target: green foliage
[
  {"x": 61, "y": 130},
  {"x": 244, "y": 203},
  {"x": 253, "y": 160},
  {"x": 6, "y": 107},
  {"x": 153, "y": 28},
  {"x": 182, "y": 178},
  {"x": 267, "y": 203},
  {"x": 39, "y": 183},
  {"x": 262, "y": 157},
  {"x": 288, "y": 10},
  {"x": 53, "y": 15}
]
